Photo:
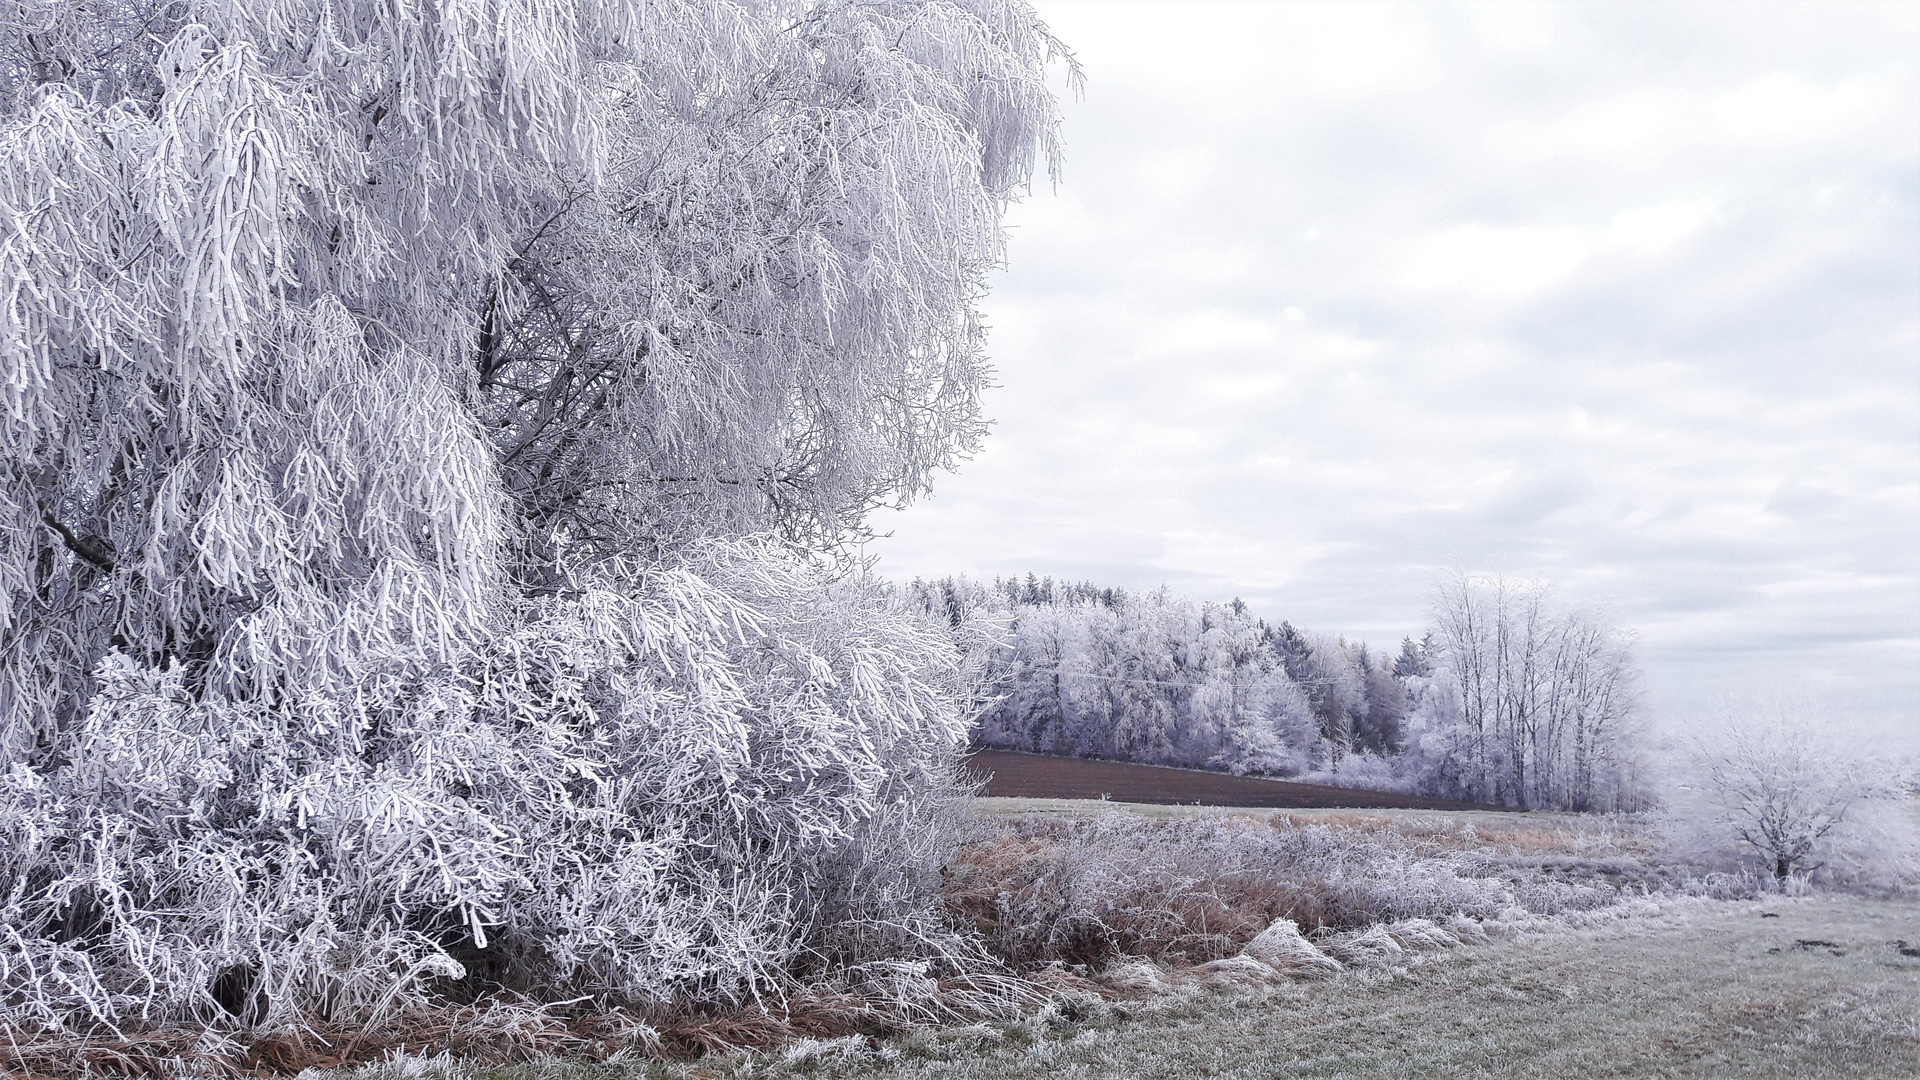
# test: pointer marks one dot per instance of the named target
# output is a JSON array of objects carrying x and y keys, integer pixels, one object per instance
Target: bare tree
[{"x": 1545, "y": 701}]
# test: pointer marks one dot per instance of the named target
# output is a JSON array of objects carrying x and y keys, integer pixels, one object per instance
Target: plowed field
[{"x": 1040, "y": 776}]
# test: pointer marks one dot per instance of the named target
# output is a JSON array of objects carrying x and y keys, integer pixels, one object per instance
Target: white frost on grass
[{"x": 1282, "y": 948}]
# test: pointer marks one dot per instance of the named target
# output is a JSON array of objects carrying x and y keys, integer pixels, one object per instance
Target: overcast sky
[{"x": 1334, "y": 297}]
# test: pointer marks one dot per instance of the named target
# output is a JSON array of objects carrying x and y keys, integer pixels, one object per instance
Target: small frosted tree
[
  {"x": 1786, "y": 786},
  {"x": 417, "y": 429}
]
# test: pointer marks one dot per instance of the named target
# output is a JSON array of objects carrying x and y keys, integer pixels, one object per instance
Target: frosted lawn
[{"x": 1702, "y": 988}]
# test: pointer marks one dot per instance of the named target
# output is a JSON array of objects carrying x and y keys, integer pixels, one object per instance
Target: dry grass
[
  {"x": 1192, "y": 888},
  {"x": 502, "y": 1030}
]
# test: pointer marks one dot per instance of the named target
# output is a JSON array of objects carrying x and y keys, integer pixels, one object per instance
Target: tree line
[{"x": 1511, "y": 697}]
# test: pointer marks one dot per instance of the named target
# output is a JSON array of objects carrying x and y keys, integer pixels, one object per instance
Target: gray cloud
[{"x": 1336, "y": 297}]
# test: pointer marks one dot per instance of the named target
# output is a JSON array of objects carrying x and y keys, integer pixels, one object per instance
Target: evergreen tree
[{"x": 1413, "y": 659}]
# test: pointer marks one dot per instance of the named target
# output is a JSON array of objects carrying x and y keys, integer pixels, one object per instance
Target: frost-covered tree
[
  {"x": 1798, "y": 792},
  {"x": 1042, "y": 705},
  {"x": 411, "y": 418},
  {"x": 1541, "y": 700},
  {"x": 1381, "y": 727},
  {"x": 1243, "y": 708},
  {"x": 1330, "y": 672},
  {"x": 1149, "y": 677},
  {"x": 1139, "y": 686},
  {"x": 1413, "y": 661}
]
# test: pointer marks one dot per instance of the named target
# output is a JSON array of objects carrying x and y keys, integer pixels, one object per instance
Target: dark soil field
[{"x": 1040, "y": 776}]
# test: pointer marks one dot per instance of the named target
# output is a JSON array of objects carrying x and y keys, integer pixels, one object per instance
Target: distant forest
[{"x": 1510, "y": 698}]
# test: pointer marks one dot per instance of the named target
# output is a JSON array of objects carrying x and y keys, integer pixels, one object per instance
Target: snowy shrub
[
  {"x": 1134, "y": 975},
  {"x": 1281, "y": 947},
  {"x": 1371, "y": 772},
  {"x": 1468, "y": 931},
  {"x": 1233, "y": 972},
  {"x": 683, "y": 789},
  {"x": 1369, "y": 948},
  {"x": 1879, "y": 846},
  {"x": 1419, "y": 935}
]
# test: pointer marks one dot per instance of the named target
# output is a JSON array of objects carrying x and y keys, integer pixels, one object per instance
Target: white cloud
[
  {"x": 1655, "y": 230},
  {"x": 1518, "y": 261},
  {"x": 1206, "y": 331},
  {"x": 1631, "y": 121},
  {"x": 1174, "y": 174},
  {"x": 1788, "y": 109},
  {"x": 1337, "y": 296},
  {"x": 1507, "y": 28},
  {"x": 1500, "y": 262},
  {"x": 1354, "y": 49}
]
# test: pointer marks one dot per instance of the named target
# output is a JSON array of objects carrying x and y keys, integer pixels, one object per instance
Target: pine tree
[{"x": 1413, "y": 659}]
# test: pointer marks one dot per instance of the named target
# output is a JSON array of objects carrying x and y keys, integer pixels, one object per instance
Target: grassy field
[{"x": 1701, "y": 989}]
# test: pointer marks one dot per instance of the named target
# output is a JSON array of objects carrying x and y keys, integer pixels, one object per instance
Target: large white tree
[{"x": 410, "y": 417}]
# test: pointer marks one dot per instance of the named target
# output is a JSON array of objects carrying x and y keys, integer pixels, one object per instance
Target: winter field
[
  {"x": 1577, "y": 949},
  {"x": 1696, "y": 989}
]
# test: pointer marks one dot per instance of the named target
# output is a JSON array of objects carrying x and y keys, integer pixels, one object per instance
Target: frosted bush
[
  {"x": 1369, "y": 948},
  {"x": 1371, "y": 772},
  {"x": 1468, "y": 931},
  {"x": 1772, "y": 786},
  {"x": 1231, "y": 972},
  {"x": 1419, "y": 935},
  {"x": 683, "y": 788},
  {"x": 1877, "y": 848},
  {"x": 1133, "y": 976}
]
